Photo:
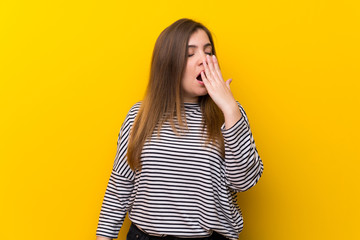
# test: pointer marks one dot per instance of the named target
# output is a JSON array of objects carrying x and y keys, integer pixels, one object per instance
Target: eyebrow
[{"x": 205, "y": 46}]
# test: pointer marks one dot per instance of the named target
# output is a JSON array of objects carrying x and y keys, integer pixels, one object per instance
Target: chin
[{"x": 202, "y": 94}]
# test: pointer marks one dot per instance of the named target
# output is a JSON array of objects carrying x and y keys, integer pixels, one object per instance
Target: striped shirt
[{"x": 185, "y": 188}]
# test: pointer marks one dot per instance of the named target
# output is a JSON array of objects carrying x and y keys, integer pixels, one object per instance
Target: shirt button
[{"x": 137, "y": 235}]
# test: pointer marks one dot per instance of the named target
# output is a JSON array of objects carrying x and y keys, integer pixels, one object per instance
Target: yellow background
[{"x": 70, "y": 71}]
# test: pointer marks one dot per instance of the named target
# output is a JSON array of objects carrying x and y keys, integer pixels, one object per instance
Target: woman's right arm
[
  {"x": 115, "y": 205},
  {"x": 102, "y": 238},
  {"x": 117, "y": 199}
]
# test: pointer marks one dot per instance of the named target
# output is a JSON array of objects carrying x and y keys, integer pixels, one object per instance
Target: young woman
[{"x": 184, "y": 151}]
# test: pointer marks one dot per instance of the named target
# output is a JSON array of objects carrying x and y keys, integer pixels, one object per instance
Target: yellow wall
[{"x": 70, "y": 70}]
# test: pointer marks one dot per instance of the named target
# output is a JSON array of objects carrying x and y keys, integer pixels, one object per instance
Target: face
[{"x": 198, "y": 47}]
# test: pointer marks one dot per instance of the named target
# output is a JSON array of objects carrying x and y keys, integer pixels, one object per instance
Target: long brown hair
[{"x": 163, "y": 99}]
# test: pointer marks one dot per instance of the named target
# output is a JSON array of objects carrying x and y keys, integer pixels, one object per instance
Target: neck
[{"x": 191, "y": 100}]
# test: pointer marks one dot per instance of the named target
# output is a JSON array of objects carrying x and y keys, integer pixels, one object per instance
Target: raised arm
[
  {"x": 242, "y": 162},
  {"x": 243, "y": 165}
]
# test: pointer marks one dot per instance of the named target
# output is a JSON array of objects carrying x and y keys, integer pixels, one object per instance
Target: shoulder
[
  {"x": 135, "y": 108},
  {"x": 130, "y": 117}
]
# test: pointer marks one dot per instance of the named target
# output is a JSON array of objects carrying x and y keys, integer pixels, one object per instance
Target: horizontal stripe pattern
[{"x": 185, "y": 188}]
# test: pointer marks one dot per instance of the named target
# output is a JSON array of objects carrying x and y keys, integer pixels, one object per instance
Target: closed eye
[{"x": 208, "y": 53}]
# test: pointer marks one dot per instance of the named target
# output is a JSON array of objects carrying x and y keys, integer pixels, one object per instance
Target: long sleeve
[
  {"x": 117, "y": 199},
  {"x": 243, "y": 165}
]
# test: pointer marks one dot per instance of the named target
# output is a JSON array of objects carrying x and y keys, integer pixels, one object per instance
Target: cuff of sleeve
[
  {"x": 240, "y": 124},
  {"x": 100, "y": 233}
]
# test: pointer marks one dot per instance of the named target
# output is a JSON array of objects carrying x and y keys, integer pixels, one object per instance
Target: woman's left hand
[{"x": 218, "y": 90}]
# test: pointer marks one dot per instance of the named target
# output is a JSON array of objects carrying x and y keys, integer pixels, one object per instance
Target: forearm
[
  {"x": 115, "y": 206},
  {"x": 243, "y": 164},
  {"x": 232, "y": 114}
]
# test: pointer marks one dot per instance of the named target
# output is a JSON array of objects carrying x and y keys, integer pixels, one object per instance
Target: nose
[{"x": 202, "y": 57}]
